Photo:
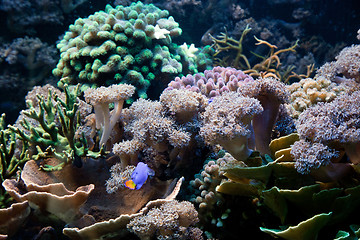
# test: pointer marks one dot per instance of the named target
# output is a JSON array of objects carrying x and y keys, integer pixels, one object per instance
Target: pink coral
[{"x": 213, "y": 82}]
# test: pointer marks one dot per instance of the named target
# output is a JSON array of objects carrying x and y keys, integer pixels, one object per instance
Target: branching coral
[
  {"x": 172, "y": 220},
  {"x": 10, "y": 159},
  {"x": 50, "y": 127},
  {"x": 100, "y": 98},
  {"x": 269, "y": 66}
]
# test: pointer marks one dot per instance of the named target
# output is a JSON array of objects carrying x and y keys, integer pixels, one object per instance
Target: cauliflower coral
[{"x": 227, "y": 121}]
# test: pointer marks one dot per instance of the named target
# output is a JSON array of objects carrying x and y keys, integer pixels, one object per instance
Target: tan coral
[
  {"x": 149, "y": 124},
  {"x": 228, "y": 122},
  {"x": 11, "y": 218},
  {"x": 51, "y": 197},
  {"x": 310, "y": 91},
  {"x": 116, "y": 225},
  {"x": 100, "y": 98}
]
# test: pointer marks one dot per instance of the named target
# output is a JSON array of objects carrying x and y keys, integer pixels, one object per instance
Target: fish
[{"x": 139, "y": 176}]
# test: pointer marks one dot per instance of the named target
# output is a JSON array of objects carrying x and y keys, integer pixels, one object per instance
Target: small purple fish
[{"x": 139, "y": 176}]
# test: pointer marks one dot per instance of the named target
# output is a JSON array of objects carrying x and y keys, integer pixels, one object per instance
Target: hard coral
[
  {"x": 310, "y": 91},
  {"x": 213, "y": 82},
  {"x": 40, "y": 190},
  {"x": 50, "y": 124},
  {"x": 205, "y": 184},
  {"x": 12, "y": 218},
  {"x": 123, "y": 44}
]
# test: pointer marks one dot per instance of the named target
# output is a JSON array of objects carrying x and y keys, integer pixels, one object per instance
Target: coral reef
[
  {"x": 227, "y": 121},
  {"x": 162, "y": 129},
  {"x": 125, "y": 45},
  {"x": 269, "y": 91},
  {"x": 259, "y": 154},
  {"x": 171, "y": 220},
  {"x": 324, "y": 130},
  {"x": 49, "y": 127}
]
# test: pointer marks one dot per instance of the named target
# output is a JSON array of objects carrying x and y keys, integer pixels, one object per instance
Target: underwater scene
[{"x": 180, "y": 119}]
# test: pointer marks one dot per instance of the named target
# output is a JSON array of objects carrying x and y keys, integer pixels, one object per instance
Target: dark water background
[{"x": 30, "y": 29}]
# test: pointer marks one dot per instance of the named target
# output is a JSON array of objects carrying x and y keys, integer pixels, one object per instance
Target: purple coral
[
  {"x": 332, "y": 126},
  {"x": 269, "y": 91},
  {"x": 213, "y": 82}
]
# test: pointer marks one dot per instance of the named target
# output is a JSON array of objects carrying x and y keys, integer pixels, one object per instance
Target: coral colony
[{"x": 228, "y": 147}]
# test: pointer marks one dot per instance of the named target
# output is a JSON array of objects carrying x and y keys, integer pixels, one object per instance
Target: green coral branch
[
  {"x": 50, "y": 140},
  {"x": 10, "y": 162}
]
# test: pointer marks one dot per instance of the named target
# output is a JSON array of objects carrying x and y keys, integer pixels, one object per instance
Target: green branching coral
[
  {"x": 10, "y": 160},
  {"x": 126, "y": 45},
  {"x": 50, "y": 129}
]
